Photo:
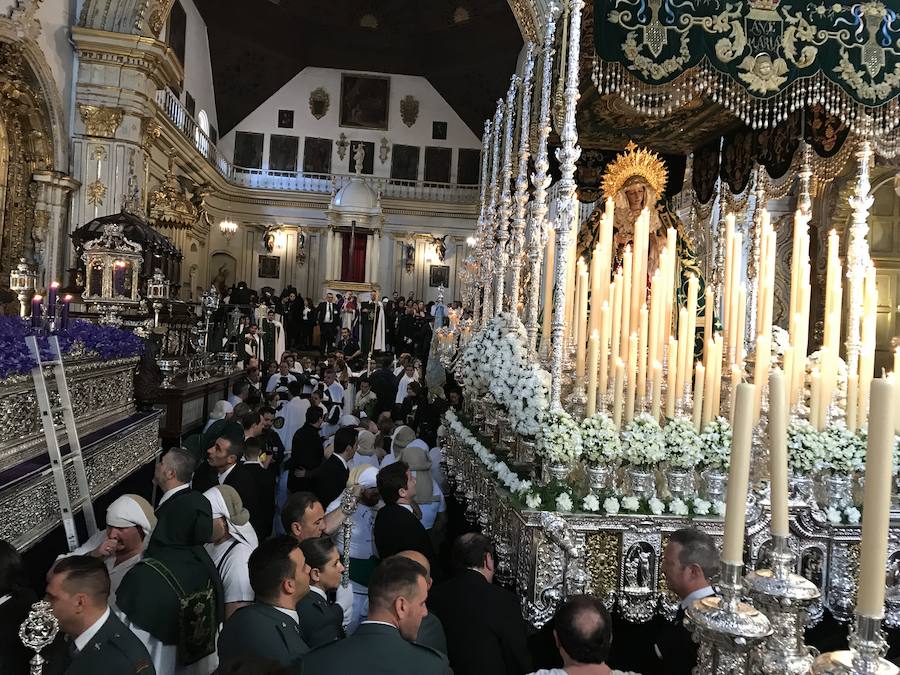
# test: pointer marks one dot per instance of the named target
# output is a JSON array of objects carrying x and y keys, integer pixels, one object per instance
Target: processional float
[{"x": 626, "y": 364}]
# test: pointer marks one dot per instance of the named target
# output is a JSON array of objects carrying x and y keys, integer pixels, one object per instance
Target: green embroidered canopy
[{"x": 761, "y": 59}]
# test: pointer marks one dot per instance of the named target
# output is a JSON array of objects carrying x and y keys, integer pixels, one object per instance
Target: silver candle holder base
[
  {"x": 726, "y": 629},
  {"x": 865, "y": 656},
  {"x": 577, "y": 400},
  {"x": 784, "y": 597}
]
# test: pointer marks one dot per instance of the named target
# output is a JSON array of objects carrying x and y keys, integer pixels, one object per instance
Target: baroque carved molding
[{"x": 99, "y": 120}]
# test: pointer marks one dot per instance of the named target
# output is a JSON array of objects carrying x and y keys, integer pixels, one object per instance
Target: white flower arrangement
[
  {"x": 591, "y": 503},
  {"x": 684, "y": 449},
  {"x": 716, "y": 440},
  {"x": 611, "y": 505},
  {"x": 642, "y": 442},
  {"x": 533, "y": 500},
  {"x": 853, "y": 515},
  {"x": 504, "y": 474},
  {"x": 657, "y": 506},
  {"x": 564, "y": 501},
  {"x": 849, "y": 515},
  {"x": 806, "y": 449},
  {"x": 844, "y": 451},
  {"x": 559, "y": 440},
  {"x": 701, "y": 506},
  {"x": 631, "y": 503},
  {"x": 678, "y": 507},
  {"x": 600, "y": 440}
]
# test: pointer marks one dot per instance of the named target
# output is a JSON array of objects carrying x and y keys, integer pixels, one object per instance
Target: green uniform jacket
[
  {"x": 114, "y": 650},
  {"x": 375, "y": 649},
  {"x": 263, "y": 631},
  {"x": 320, "y": 620},
  {"x": 431, "y": 634}
]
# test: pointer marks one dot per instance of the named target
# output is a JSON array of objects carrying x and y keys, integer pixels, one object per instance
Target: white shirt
[
  {"x": 430, "y": 510},
  {"x": 704, "y": 592},
  {"x": 169, "y": 493},
  {"x": 234, "y": 400},
  {"x": 362, "y": 544},
  {"x": 336, "y": 391},
  {"x": 234, "y": 572},
  {"x": 224, "y": 474},
  {"x": 82, "y": 640},
  {"x": 329, "y": 312},
  {"x": 116, "y": 571},
  {"x": 274, "y": 383},
  {"x": 401, "y": 388}
]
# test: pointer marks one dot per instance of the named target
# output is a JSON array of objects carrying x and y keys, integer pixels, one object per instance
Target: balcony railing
[{"x": 321, "y": 183}]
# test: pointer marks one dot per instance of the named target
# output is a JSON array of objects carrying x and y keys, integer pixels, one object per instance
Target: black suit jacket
[
  {"x": 13, "y": 654},
  {"x": 264, "y": 489},
  {"x": 676, "y": 646},
  {"x": 396, "y": 530},
  {"x": 484, "y": 626},
  {"x": 307, "y": 452},
  {"x": 320, "y": 314},
  {"x": 239, "y": 478},
  {"x": 330, "y": 479},
  {"x": 384, "y": 384}
]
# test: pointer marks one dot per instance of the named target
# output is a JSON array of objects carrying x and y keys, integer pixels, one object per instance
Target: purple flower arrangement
[{"x": 104, "y": 341}]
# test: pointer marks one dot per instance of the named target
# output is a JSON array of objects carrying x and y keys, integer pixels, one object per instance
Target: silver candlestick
[
  {"x": 726, "y": 629},
  {"x": 784, "y": 597},
  {"x": 349, "y": 502},
  {"x": 865, "y": 656},
  {"x": 37, "y": 632}
]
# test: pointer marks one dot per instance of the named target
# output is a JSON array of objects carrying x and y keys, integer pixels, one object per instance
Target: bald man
[{"x": 431, "y": 631}]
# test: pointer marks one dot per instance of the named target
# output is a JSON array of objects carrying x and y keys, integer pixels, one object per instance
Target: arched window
[{"x": 201, "y": 139}]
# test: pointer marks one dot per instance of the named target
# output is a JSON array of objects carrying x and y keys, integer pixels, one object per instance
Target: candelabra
[
  {"x": 348, "y": 507},
  {"x": 504, "y": 209},
  {"x": 568, "y": 155},
  {"x": 472, "y": 282},
  {"x": 865, "y": 656},
  {"x": 487, "y": 241},
  {"x": 726, "y": 629},
  {"x": 37, "y": 632},
  {"x": 756, "y": 227},
  {"x": 517, "y": 226},
  {"x": 784, "y": 598},
  {"x": 541, "y": 181},
  {"x": 22, "y": 282}
]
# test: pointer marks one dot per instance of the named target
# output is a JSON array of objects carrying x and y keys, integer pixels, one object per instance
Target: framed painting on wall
[
  {"x": 365, "y": 101},
  {"x": 269, "y": 267},
  {"x": 439, "y": 275},
  {"x": 317, "y": 155}
]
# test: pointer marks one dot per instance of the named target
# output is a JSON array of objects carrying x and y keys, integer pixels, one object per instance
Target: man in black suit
[
  {"x": 327, "y": 316},
  {"x": 224, "y": 466},
  {"x": 484, "y": 626},
  {"x": 330, "y": 479},
  {"x": 384, "y": 384},
  {"x": 307, "y": 451},
  {"x": 397, "y": 527},
  {"x": 262, "y": 513},
  {"x": 689, "y": 562}
]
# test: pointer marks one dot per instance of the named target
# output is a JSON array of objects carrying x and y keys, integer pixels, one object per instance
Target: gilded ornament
[
  {"x": 100, "y": 120},
  {"x": 96, "y": 193},
  {"x": 169, "y": 204},
  {"x": 603, "y": 562},
  {"x": 98, "y": 152},
  {"x": 635, "y": 163},
  {"x": 319, "y": 102},
  {"x": 342, "y": 143},
  {"x": 409, "y": 110},
  {"x": 150, "y": 132}
]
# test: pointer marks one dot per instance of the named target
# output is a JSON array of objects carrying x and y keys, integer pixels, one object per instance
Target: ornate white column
[
  {"x": 337, "y": 267},
  {"x": 517, "y": 227},
  {"x": 376, "y": 257},
  {"x": 541, "y": 181},
  {"x": 505, "y": 206},
  {"x": 368, "y": 270},
  {"x": 329, "y": 243},
  {"x": 568, "y": 155},
  {"x": 51, "y": 217}
]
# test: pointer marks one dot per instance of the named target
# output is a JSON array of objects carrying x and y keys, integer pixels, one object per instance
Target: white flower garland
[
  {"x": 684, "y": 449},
  {"x": 600, "y": 440},
  {"x": 559, "y": 439},
  {"x": 642, "y": 442},
  {"x": 716, "y": 440}
]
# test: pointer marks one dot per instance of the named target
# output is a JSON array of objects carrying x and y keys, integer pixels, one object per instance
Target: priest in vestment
[
  {"x": 176, "y": 568},
  {"x": 372, "y": 317},
  {"x": 273, "y": 338}
]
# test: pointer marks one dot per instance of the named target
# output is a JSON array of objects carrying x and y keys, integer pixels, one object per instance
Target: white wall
[
  {"x": 56, "y": 17},
  {"x": 295, "y": 96},
  {"x": 198, "y": 80}
]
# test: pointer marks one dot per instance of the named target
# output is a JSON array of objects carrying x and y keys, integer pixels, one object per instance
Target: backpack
[{"x": 196, "y": 617}]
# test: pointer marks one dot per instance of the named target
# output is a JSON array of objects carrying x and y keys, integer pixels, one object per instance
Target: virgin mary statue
[{"x": 636, "y": 180}]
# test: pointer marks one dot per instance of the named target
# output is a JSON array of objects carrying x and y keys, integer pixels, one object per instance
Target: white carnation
[
  {"x": 642, "y": 442},
  {"x": 611, "y": 505},
  {"x": 564, "y": 502},
  {"x": 600, "y": 440},
  {"x": 835, "y": 516},
  {"x": 853, "y": 515},
  {"x": 701, "y": 506},
  {"x": 631, "y": 503},
  {"x": 678, "y": 507},
  {"x": 719, "y": 508},
  {"x": 657, "y": 507},
  {"x": 532, "y": 500},
  {"x": 684, "y": 449},
  {"x": 591, "y": 503}
]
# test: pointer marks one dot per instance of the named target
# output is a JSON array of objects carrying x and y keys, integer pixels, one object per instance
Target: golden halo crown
[{"x": 635, "y": 162}]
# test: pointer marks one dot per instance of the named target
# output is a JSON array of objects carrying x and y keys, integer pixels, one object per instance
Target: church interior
[{"x": 622, "y": 277}]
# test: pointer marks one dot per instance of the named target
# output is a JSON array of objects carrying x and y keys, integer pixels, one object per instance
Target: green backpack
[{"x": 196, "y": 617}]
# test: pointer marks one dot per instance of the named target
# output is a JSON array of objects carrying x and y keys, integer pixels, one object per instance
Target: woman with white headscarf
[
  {"x": 222, "y": 410},
  {"x": 428, "y": 493},
  {"x": 232, "y": 543},
  {"x": 129, "y": 523}
]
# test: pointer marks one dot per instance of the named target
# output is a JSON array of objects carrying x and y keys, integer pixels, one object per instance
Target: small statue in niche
[{"x": 440, "y": 246}]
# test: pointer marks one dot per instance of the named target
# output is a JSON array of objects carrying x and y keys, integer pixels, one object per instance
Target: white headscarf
[
  {"x": 132, "y": 511},
  {"x": 237, "y": 516},
  {"x": 220, "y": 409}
]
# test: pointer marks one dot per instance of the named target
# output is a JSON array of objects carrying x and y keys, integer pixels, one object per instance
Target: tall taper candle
[
  {"x": 51, "y": 299},
  {"x": 657, "y": 390},
  {"x": 64, "y": 317},
  {"x": 642, "y": 354},
  {"x": 36, "y": 311},
  {"x": 672, "y": 379},
  {"x": 699, "y": 383},
  {"x": 876, "y": 501},
  {"x": 739, "y": 476},
  {"x": 546, "y": 324},
  {"x": 581, "y": 320},
  {"x": 617, "y": 393},
  {"x": 632, "y": 376},
  {"x": 593, "y": 357},
  {"x": 778, "y": 452},
  {"x": 603, "y": 381}
]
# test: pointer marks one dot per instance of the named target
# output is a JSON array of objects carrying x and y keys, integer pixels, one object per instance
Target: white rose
[
  {"x": 702, "y": 507},
  {"x": 591, "y": 503},
  {"x": 853, "y": 515},
  {"x": 631, "y": 504},
  {"x": 835, "y": 516},
  {"x": 524, "y": 486},
  {"x": 656, "y": 506},
  {"x": 611, "y": 505},
  {"x": 532, "y": 500},
  {"x": 564, "y": 502},
  {"x": 678, "y": 507},
  {"x": 719, "y": 508}
]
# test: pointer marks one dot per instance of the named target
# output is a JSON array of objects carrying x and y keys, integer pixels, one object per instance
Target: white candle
[
  {"x": 699, "y": 371},
  {"x": 617, "y": 393},
  {"x": 671, "y": 384},
  {"x": 632, "y": 377},
  {"x": 738, "y": 476},
  {"x": 778, "y": 412},
  {"x": 604, "y": 347},
  {"x": 546, "y": 325},
  {"x": 593, "y": 356},
  {"x": 657, "y": 390}
]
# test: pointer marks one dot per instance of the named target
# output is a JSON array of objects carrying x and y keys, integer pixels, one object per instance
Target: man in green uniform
[
  {"x": 320, "y": 619},
  {"x": 269, "y": 628},
  {"x": 78, "y": 592},
  {"x": 431, "y": 631},
  {"x": 383, "y": 645}
]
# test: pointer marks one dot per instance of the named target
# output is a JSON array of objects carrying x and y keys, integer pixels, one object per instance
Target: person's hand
[
  {"x": 299, "y": 473},
  {"x": 106, "y": 548},
  {"x": 356, "y": 489}
]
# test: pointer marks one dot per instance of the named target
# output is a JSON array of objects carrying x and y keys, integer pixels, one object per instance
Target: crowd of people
[{"x": 237, "y": 563}]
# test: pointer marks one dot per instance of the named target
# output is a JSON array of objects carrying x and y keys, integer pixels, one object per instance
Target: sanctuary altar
[{"x": 613, "y": 396}]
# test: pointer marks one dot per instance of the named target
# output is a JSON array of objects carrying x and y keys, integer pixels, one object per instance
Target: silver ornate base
[
  {"x": 726, "y": 629},
  {"x": 867, "y": 647}
]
